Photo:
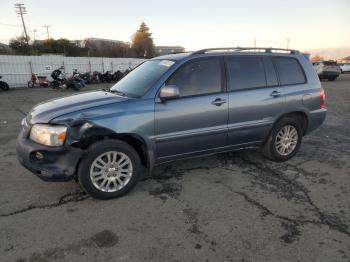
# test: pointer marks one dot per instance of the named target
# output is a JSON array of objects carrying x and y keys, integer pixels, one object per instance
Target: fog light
[{"x": 39, "y": 156}]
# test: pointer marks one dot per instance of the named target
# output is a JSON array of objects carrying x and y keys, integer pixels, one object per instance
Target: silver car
[{"x": 327, "y": 70}]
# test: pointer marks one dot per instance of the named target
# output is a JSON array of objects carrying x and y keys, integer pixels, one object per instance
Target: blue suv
[{"x": 173, "y": 107}]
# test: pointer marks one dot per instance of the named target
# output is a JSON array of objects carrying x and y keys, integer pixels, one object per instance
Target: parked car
[
  {"x": 327, "y": 70},
  {"x": 345, "y": 67},
  {"x": 174, "y": 107},
  {"x": 3, "y": 85}
]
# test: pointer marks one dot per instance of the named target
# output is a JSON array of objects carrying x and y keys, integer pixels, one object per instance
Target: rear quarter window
[{"x": 289, "y": 71}]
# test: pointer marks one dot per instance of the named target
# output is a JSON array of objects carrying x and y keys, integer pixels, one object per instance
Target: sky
[{"x": 305, "y": 24}]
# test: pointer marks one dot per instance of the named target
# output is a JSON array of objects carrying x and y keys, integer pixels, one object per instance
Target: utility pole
[
  {"x": 21, "y": 10},
  {"x": 34, "y": 31},
  {"x": 47, "y": 31}
]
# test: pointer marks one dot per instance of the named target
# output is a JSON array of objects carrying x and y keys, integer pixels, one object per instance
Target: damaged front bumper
[{"x": 48, "y": 163}]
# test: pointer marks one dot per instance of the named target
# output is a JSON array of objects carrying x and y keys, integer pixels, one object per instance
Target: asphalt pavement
[{"x": 226, "y": 207}]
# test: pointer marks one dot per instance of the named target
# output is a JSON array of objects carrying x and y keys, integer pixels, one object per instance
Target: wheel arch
[
  {"x": 301, "y": 115},
  {"x": 83, "y": 136},
  {"x": 297, "y": 114}
]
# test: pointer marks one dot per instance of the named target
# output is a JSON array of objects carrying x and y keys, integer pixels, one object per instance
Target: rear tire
[
  {"x": 332, "y": 79},
  {"x": 107, "y": 154},
  {"x": 279, "y": 140}
]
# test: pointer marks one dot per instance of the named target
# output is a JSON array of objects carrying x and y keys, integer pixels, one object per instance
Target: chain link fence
[{"x": 17, "y": 70}]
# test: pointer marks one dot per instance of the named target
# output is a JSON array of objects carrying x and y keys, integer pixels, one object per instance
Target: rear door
[
  {"x": 197, "y": 120},
  {"x": 255, "y": 98}
]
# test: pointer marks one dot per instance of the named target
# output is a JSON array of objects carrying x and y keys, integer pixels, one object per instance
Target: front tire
[
  {"x": 110, "y": 168},
  {"x": 4, "y": 86},
  {"x": 284, "y": 140}
]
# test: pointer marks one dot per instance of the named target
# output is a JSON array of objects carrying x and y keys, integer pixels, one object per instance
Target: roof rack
[{"x": 236, "y": 49}]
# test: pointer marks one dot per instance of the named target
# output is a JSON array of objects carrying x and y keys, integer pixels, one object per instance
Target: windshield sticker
[{"x": 166, "y": 63}]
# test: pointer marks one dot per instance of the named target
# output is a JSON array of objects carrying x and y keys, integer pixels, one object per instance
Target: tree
[
  {"x": 316, "y": 58},
  {"x": 108, "y": 49},
  {"x": 142, "y": 42},
  {"x": 59, "y": 46},
  {"x": 19, "y": 45}
]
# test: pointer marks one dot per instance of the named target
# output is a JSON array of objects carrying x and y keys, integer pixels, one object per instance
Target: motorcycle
[
  {"x": 86, "y": 77},
  {"x": 95, "y": 77},
  {"x": 3, "y": 85},
  {"x": 117, "y": 76},
  {"x": 77, "y": 77},
  {"x": 106, "y": 77},
  {"x": 60, "y": 81},
  {"x": 38, "y": 80}
]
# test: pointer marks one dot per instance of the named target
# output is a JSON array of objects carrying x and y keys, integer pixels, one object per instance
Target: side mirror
[{"x": 169, "y": 92}]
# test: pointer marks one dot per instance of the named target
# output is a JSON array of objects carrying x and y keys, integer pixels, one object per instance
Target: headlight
[{"x": 48, "y": 135}]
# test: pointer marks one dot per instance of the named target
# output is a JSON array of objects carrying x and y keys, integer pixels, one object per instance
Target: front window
[
  {"x": 198, "y": 77},
  {"x": 139, "y": 80}
]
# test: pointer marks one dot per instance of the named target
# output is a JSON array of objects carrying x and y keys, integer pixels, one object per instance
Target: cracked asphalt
[{"x": 226, "y": 207}]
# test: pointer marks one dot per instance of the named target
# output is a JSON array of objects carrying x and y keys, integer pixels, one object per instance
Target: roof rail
[{"x": 236, "y": 49}]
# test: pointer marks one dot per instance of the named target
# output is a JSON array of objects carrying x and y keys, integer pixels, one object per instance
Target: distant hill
[{"x": 331, "y": 53}]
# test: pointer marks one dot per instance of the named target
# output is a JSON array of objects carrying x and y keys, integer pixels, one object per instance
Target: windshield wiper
[{"x": 120, "y": 93}]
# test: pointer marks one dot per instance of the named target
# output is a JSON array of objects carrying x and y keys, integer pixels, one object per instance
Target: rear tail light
[{"x": 322, "y": 98}]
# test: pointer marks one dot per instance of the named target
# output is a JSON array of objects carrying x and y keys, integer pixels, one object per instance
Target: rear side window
[
  {"x": 289, "y": 71},
  {"x": 198, "y": 77},
  {"x": 329, "y": 63},
  {"x": 245, "y": 72}
]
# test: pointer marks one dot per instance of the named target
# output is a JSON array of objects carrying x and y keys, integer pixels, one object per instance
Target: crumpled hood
[{"x": 46, "y": 111}]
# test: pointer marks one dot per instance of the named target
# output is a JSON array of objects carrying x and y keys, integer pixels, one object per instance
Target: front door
[{"x": 197, "y": 120}]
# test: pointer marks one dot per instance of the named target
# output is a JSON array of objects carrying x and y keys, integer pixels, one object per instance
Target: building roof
[
  {"x": 102, "y": 40},
  {"x": 169, "y": 47},
  {"x": 4, "y": 46}
]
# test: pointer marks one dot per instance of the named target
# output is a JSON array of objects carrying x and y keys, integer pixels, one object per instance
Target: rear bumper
[
  {"x": 57, "y": 164},
  {"x": 316, "y": 118},
  {"x": 325, "y": 74}
]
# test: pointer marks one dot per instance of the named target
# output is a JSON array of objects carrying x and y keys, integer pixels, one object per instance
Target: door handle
[
  {"x": 218, "y": 102},
  {"x": 276, "y": 93}
]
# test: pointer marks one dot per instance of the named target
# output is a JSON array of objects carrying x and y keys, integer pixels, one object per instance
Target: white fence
[{"x": 17, "y": 70}]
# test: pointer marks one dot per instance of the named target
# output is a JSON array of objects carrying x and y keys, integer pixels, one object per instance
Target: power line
[
  {"x": 47, "y": 30},
  {"x": 9, "y": 24},
  {"x": 21, "y": 10}
]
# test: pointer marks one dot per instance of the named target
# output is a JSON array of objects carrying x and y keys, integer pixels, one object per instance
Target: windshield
[
  {"x": 139, "y": 80},
  {"x": 329, "y": 63}
]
